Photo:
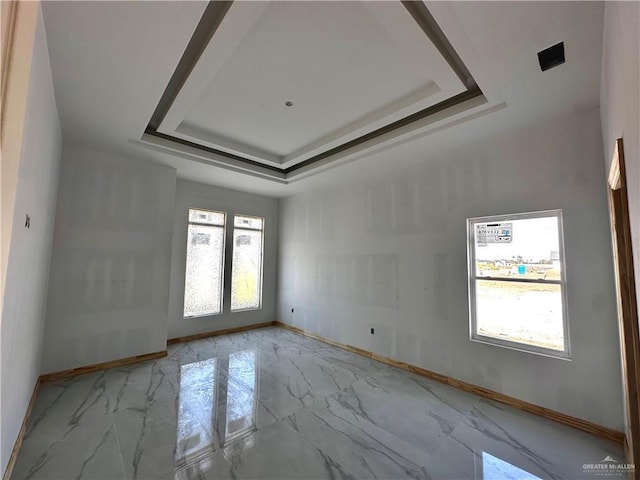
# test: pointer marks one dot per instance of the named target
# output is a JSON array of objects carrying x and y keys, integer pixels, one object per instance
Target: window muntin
[
  {"x": 205, "y": 262},
  {"x": 246, "y": 271},
  {"x": 517, "y": 282}
]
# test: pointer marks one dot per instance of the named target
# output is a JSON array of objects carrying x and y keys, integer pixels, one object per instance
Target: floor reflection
[
  {"x": 494, "y": 468},
  {"x": 217, "y": 405},
  {"x": 242, "y": 397},
  {"x": 196, "y": 409}
]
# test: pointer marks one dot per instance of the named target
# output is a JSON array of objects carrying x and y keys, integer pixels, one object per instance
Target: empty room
[{"x": 320, "y": 240}]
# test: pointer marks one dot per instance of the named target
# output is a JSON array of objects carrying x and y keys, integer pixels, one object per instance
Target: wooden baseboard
[
  {"x": 225, "y": 331},
  {"x": 50, "y": 377},
  {"x": 96, "y": 367},
  {"x": 584, "y": 425},
  {"x": 23, "y": 429}
]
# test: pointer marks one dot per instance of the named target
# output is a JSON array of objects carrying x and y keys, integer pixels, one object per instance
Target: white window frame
[
  {"x": 564, "y": 354},
  {"x": 252, "y": 229}
]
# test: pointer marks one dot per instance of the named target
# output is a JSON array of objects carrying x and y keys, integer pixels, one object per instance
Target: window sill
[
  {"x": 202, "y": 315},
  {"x": 542, "y": 352},
  {"x": 246, "y": 309}
]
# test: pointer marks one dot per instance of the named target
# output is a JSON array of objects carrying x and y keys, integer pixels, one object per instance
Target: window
[
  {"x": 203, "y": 288},
  {"x": 205, "y": 260},
  {"x": 517, "y": 295},
  {"x": 246, "y": 274}
]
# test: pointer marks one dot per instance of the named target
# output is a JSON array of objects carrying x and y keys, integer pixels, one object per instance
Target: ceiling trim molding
[
  {"x": 432, "y": 30},
  {"x": 204, "y": 33},
  {"x": 197, "y": 154},
  {"x": 151, "y": 132},
  {"x": 427, "y": 112}
]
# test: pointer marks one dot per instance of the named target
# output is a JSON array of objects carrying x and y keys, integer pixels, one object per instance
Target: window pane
[
  {"x": 524, "y": 248},
  {"x": 248, "y": 222},
  {"x": 203, "y": 279},
  {"x": 205, "y": 216},
  {"x": 529, "y": 313},
  {"x": 246, "y": 275}
]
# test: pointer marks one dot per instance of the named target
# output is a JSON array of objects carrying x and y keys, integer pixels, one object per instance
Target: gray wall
[
  {"x": 620, "y": 103},
  {"x": 108, "y": 297},
  {"x": 390, "y": 253},
  {"x": 29, "y": 250},
  {"x": 197, "y": 195}
]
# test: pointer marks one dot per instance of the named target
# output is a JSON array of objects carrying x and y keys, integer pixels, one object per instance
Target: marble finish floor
[{"x": 269, "y": 403}]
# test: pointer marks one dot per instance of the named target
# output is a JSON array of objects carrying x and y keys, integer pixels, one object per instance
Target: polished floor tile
[{"x": 272, "y": 404}]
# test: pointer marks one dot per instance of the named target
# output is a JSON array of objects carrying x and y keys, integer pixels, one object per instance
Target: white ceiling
[{"x": 347, "y": 67}]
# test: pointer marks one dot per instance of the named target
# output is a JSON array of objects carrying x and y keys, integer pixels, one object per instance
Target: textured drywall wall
[
  {"x": 620, "y": 103},
  {"x": 197, "y": 195},
  {"x": 14, "y": 111},
  {"x": 109, "y": 285},
  {"x": 390, "y": 253},
  {"x": 29, "y": 250}
]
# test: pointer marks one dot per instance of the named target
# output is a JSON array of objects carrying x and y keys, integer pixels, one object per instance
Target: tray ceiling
[{"x": 281, "y": 88}]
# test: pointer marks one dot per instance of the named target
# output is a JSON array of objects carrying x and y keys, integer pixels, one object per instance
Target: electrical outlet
[{"x": 373, "y": 331}]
